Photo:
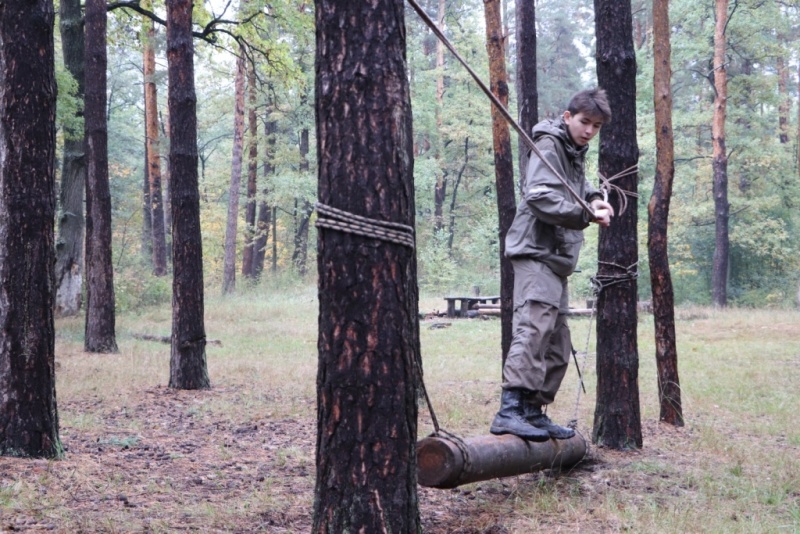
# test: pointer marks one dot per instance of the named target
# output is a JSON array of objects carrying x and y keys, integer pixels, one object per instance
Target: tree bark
[
  {"x": 264, "y": 210},
  {"x": 153, "y": 150},
  {"x": 503, "y": 164},
  {"x": 248, "y": 268},
  {"x": 100, "y": 316},
  {"x": 663, "y": 299},
  {"x": 617, "y": 420},
  {"x": 28, "y": 412},
  {"x": 71, "y": 223},
  {"x": 719, "y": 270},
  {"x": 369, "y": 338},
  {"x": 187, "y": 363},
  {"x": 527, "y": 92},
  {"x": 231, "y": 230}
]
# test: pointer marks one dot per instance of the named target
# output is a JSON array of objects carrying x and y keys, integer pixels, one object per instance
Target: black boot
[
  {"x": 534, "y": 416},
  {"x": 510, "y": 419}
]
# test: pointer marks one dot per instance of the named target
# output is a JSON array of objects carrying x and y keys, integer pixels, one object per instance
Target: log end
[{"x": 439, "y": 463}]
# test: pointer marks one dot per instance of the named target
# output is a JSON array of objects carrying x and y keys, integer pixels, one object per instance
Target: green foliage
[
  {"x": 453, "y": 139},
  {"x": 134, "y": 291},
  {"x": 68, "y": 104},
  {"x": 762, "y": 171}
]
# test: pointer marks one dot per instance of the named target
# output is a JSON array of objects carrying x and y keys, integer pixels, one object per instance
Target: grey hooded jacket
[{"x": 548, "y": 226}]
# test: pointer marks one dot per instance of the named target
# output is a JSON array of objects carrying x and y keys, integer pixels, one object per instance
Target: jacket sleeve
[
  {"x": 546, "y": 195},
  {"x": 591, "y": 192}
]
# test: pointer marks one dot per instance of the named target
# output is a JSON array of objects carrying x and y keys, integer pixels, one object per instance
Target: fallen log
[
  {"x": 444, "y": 462},
  {"x": 168, "y": 339}
]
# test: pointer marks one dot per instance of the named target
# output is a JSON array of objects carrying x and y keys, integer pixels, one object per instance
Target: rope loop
[
  {"x": 601, "y": 281},
  {"x": 606, "y": 187},
  {"x": 462, "y": 446},
  {"x": 350, "y": 223}
]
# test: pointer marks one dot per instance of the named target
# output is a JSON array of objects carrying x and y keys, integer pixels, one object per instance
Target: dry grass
[{"x": 240, "y": 457}]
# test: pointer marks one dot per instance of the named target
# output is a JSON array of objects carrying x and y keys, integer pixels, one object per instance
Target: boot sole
[{"x": 535, "y": 437}]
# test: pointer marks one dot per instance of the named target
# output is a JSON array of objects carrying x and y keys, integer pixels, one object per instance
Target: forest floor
[
  {"x": 141, "y": 457},
  {"x": 165, "y": 462}
]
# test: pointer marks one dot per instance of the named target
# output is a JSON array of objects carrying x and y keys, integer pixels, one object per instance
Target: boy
[{"x": 543, "y": 244}]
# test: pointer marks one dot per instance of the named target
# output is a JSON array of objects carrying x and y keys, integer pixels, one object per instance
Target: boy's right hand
[{"x": 602, "y": 212}]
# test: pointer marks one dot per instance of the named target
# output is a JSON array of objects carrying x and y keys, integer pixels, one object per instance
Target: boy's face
[{"x": 582, "y": 128}]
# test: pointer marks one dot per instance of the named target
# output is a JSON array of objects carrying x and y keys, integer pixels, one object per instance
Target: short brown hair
[{"x": 591, "y": 102}]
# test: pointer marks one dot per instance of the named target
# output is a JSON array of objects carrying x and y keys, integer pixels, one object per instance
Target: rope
[
  {"x": 500, "y": 107},
  {"x": 573, "y": 424},
  {"x": 599, "y": 283},
  {"x": 606, "y": 186},
  {"x": 344, "y": 221},
  {"x": 438, "y": 432}
]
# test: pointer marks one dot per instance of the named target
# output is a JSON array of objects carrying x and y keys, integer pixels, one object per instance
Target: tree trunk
[
  {"x": 153, "y": 149},
  {"x": 503, "y": 164},
  {"x": 71, "y": 223},
  {"x": 785, "y": 103},
  {"x": 527, "y": 92},
  {"x": 248, "y": 268},
  {"x": 451, "y": 231},
  {"x": 719, "y": 270},
  {"x": 617, "y": 421},
  {"x": 274, "y": 266},
  {"x": 669, "y": 391},
  {"x": 147, "y": 206},
  {"x": 165, "y": 181},
  {"x": 264, "y": 210},
  {"x": 188, "y": 355},
  {"x": 368, "y": 329},
  {"x": 231, "y": 230},
  {"x": 303, "y": 214},
  {"x": 28, "y": 412},
  {"x": 100, "y": 315}
]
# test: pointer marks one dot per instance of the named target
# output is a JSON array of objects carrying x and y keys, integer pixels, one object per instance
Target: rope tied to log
[
  {"x": 350, "y": 223},
  {"x": 438, "y": 432}
]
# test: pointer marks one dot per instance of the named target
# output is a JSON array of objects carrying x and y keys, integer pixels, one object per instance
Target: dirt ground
[{"x": 166, "y": 463}]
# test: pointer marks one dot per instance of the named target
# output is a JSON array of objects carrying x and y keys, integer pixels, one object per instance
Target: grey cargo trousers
[{"x": 541, "y": 344}]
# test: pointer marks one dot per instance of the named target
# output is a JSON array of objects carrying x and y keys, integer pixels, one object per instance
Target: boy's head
[{"x": 587, "y": 111}]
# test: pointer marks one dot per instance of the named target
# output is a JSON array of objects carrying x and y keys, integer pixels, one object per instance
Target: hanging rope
[
  {"x": 600, "y": 282},
  {"x": 500, "y": 107},
  {"x": 344, "y": 221}
]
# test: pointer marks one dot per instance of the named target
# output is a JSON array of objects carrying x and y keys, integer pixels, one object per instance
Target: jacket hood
[{"x": 558, "y": 128}]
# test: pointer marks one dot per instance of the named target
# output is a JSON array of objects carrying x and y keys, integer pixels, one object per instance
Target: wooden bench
[{"x": 466, "y": 303}]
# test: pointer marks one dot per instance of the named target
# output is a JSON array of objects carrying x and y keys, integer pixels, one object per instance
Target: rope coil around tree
[{"x": 344, "y": 221}]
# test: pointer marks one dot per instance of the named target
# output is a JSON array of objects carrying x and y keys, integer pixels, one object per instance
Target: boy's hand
[{"x": 602, "y": 212}]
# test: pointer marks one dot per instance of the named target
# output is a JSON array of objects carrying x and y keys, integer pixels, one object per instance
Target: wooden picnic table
[{"x": 466, "y": 303}]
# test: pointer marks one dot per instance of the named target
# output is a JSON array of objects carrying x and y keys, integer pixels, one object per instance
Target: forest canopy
[{"x": 457, "y": 242}]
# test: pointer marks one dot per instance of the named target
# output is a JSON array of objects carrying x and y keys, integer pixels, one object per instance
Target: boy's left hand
[{"x": 602, "y": 212}]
